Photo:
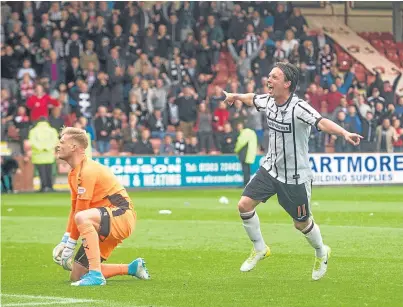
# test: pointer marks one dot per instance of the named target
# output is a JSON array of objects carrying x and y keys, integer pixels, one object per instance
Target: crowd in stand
[{"x": 139, "y": 77}]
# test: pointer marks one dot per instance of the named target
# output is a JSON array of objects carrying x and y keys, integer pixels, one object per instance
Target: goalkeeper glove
[
  {"x": 67, "y": 254},
  {"x": 57, "y": 251}
]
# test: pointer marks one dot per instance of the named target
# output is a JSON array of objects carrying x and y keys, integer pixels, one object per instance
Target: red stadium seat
[
  {"x": 359, "y": 68},
  {"x": 389, "y": 43},
  {"x": 386, "y": 35},
  {"x": 377, "y": 43},
  {"x": 374, "y": 35},
  {"x": 401, "y": 56},
  {"x": 399, "y": 45},
  {"x": 392, "y": 56},
  {"x": 361, "y": 76}
]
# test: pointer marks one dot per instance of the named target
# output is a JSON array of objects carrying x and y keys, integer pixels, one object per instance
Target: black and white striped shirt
[{"x": 287, "y": 158}]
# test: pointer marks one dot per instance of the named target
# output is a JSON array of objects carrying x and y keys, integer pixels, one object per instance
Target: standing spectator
[
  {"x": 354, "y": 122},
  {"x": 157, "y": 124},
  {"x": 163, "y": 42},
  {"x": 9, "y": 67},
  {"x": 74, "y": 72},
  {"x": 333, "y": 98},
  {"x": 55, "y": 118},
  {"x": 327, "y": 58},
  {"x": 289, "y": 43},
  {"x": 53, "y": 70},
  {"x": 83, "y": 100},
  {"x": 399, "y": 108},
  {"x": 297, "y": 22},
  {"x": 26, "y": 69},
  {"x": 39, "y": 103},
  {"x": 130, "y": 133},
  {"x": 375, "y": 98},
  {"x": 368, "y": 133},
  {"x": 340, "y": 144},
  {"x": 227, "y": 139},
  {"x": 43, "y": 140},
  {"x": 160, "y": 93},
  {"x": 144, "y": 96},
  {"x": 118, "y": 38},
  {"x": 204, "y": 128},
  {"x": 89, "y": 56},
  {"x": 187, "y": 108},
  {"x": 279, "y": 54},
  {"x": 237, "y": 24},
  {"x": 238, "y": 114},
  {"x": 143, "y": 145},
  {"x": 362, "y": 105},
  {"x": 58, "y": 44},
  {"x": 221, "y": 116},
  {"x": 103, "y": 129},
  {"x": 261, "y": 65},
  {"x": 280, "y": 21},
  {"x": 179, "y": 144},
  {"x": 244, "y": 63},
  {"x": 398, "y": 143},
  {"x": 27, "y": 87},
  {"x": 9, "y": 167},
  {"x": 74, "y": 46},
  {"x": 385, "y": 136},
  {"x": 116, "y": 125},
  {"x": 215, "y": 35},
  {"x": 309, "y": 56}
]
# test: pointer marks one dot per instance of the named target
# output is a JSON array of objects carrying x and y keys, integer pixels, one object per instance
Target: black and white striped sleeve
[
  {"x": 260, "y": 101},
  {"x": 306, "y": 114}
]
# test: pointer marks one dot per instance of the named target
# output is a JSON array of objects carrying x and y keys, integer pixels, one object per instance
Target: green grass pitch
[{"x": 195, "y": 253}]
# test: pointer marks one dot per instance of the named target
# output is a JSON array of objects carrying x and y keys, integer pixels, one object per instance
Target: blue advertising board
[{"x": 225, "y": 170}]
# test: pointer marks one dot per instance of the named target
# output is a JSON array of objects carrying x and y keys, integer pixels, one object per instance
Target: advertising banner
[{"x": 225, "y": 170}]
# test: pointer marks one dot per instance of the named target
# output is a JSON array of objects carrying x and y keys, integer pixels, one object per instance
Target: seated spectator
[
  {"x": 385, "y": 137},
  {"x": 227, "y": 139},
  {"x": 179, "y": 144},
  {"x": 103, "y": 130},
  {"x": 157, "y": 124},
  {"x": 193, "y": 147},
  {"x": 167, "y": 147}
]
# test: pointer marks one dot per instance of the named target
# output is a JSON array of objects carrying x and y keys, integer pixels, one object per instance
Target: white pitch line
[{"x": 54, "y": 300}]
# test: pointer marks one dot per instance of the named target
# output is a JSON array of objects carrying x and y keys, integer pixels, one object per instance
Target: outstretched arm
[
  {"x": 331, "y": 127},
  {"x": 245, "y": 98}
]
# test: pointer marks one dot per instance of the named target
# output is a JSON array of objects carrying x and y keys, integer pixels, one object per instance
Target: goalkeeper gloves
[
  {"x": 67, "y": 254},
  {"x": 57, "y": 251}
]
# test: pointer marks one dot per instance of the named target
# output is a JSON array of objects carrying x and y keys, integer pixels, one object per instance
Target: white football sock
[
  {"x": 251, "y": 224},
  {"x": 312, "y": 234}
]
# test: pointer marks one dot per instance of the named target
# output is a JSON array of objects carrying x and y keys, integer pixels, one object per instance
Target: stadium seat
[
  {"x": 361, "y": 76},
  {"x": 392, "y": 56},
  {"x": 386, "y": 36},
  {"x": 401, "y": 56}
]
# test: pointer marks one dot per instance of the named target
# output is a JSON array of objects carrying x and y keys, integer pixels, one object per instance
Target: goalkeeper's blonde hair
[{"x": 77, "y": 134}]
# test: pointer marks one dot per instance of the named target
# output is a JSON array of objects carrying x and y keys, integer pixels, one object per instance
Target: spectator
[
  {"x": 55, "y": 119},
  {"x": 53, "y": 70},
  {"x": 309, "y": 56},
  {"x": 160, "y": 93},
  {"x": 9, "y": 66},
  {"x": 362, "y": 106},
  {"x": 81, "y": 95},
  {"x": 245, "y": 147},
  {"x": 88, "y": 56},
  {"x": 114, "y": 60},
  {"x": 187, "y": 108},
  {"x": 39, "y": 103},
  {"x": 398, "y": 143},
  {"x": 204, "y": 129},
  {"x": 333, "y": 98},
  {"x": 205, "y": 55},
  {"x": 157, "y": 124},
  {"x": 257, "y": 22},
  {"x": 116, "y": 126},
  {"x": 387, "y": 91},
  {"x": 294, "y": 57},
  {"x": 179, "y": 144},
  {"x": 167, "y": 148},
  {"x": 143, "y": 145},
  {"x": 221, "y": 116},
  {"x": 261, "y": 65},
  {"x": 118, "y": 38},
  {"x": 103, "y": 129},
  {"x": 327, "y": 58},
  {"x": 297, "y": 22},
  {"x": 279, "y": 54},
  {"x": 280, "y": 21},
  {"x": 385, "y": 137},
  {"x": 399, "y": 108},
  {"x": 340, "y": 144},
  {"x": 144, "y": 96},
  {"x": 150, "y": 43},
  {"x": 375, "y": 98},
  {"x": 368, "y": 133},
  {"x": 227, "y": 139},
  {"x": 355, "y": 125},
  {"x": 101, "y": 91},
  {"x": 26, "y": 69},
  {"x": 130, "y": 133},
  {"x": 237, "y": 24},
  {"x": 74, "y": 72},
  {"x": 90, "y": 74},
  {"x": 74, "y": 46},
  {"x": 26, "y": 87},
  {"x": 163, "y": 42},
  {"x": 289, "y": 43},
  {"x": 189, "y": 46},
  {"x": 9, "y": 167},
  {"x": 244, "y": 63},
  {"x": 193, "y": 147}
]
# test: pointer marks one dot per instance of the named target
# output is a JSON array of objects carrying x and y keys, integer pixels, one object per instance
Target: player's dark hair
[{"x": 291, "y": 73}]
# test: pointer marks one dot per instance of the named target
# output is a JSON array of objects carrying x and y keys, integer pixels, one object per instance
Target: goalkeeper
[{"x": 101, "y": 214}]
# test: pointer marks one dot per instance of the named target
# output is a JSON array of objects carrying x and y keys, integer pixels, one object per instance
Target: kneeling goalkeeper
[{"x": 101, "y": 214}]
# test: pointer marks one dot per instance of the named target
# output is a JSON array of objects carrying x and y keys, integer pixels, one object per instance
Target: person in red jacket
[
  {"x": 221, "y": 116},
  {"x": 333, "y": 98},
  {"x": 38, "y": 104}
]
